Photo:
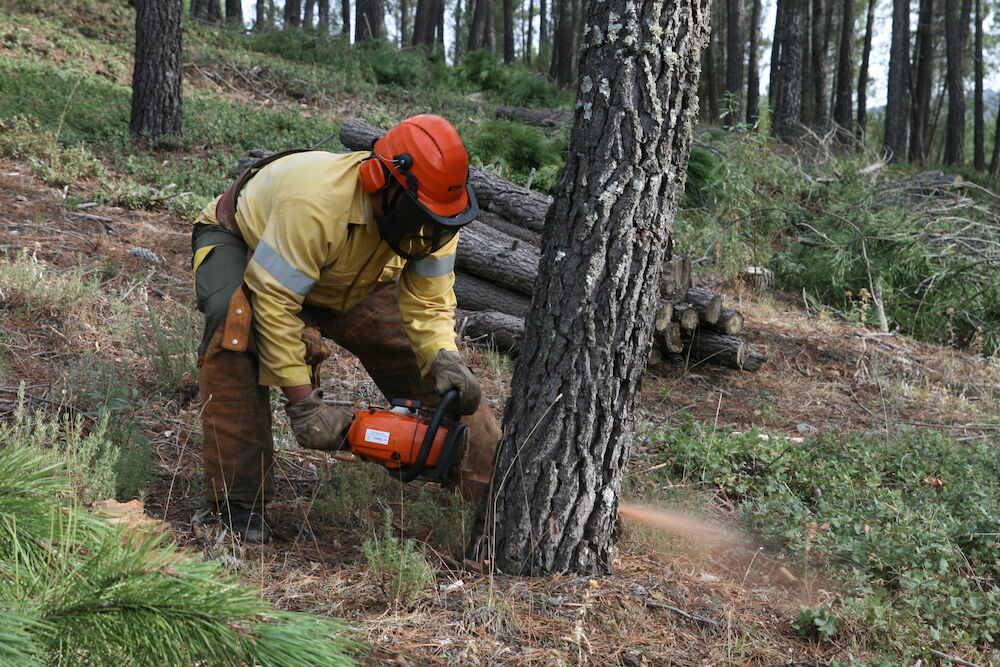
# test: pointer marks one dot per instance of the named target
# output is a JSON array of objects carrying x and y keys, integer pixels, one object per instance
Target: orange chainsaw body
[{"x": 392, "y": 439}]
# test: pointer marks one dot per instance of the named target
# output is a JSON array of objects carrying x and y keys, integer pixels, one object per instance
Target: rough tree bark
[
  {"x": 531, "y": 32},
  {"x": 898, "y": 87},
  {"x": 788, "y": 96},
  {"x": 156, "y": 79},
  {"x": 863, "y": 75},
  {"x": 292, "y": 13},
  {"x": 995, "y": 158},
  {"x": 954, "y": 129},
  {"x": 324, "y": 17},
  {"x": 568, "y": 426},
  {"x": 922, "y": 84},
  {"x": 753, "y": 73},
  {"x": 345, "y": 18},
  {"x": 843, "y": 108},
  {"x": 234, "y": 12},
  {"x": 260, "y": 20},
  {"x": 404, "y": 23},
  {"x": 543, "y": 31}
]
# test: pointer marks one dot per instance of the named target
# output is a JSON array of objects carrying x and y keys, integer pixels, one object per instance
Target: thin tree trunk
[
  {"x": 807, "y": 111},
  {"x": 898, "y": 89},
  {"x": 788, "y": 105},
  {"x": 712, "y": 79},
  {"x": 234, "y": 12},
  {"x": 979, "y": 111},
  {"x": 569, "y": 423},
  {"x": 508, "y": 32},
  {"x": 345, "y": 18},
  {"x": 261, "y": 16},
  {"x": 995, "y": 159},
  {"x": 544, "y": 47},
  {"x": 923, "y": 84},
  {"x": 863, "y": 75},
  {"x": 843, "y": 108},
  {"x": 439, "y": 23},
  {"x": 778, "y": 38},
  {"x": 404, "y": 23},
  {"x": 214, "y": 11},
  {"x": 823, "y": 18},
  {"x": 461, "y": 35},
  {"x": 734, "y": 61},
  {"x": 529, "y": 42},
  {"x": 481, "y": 27},
  {"x": 307, "y": 13},
  {"x": 292, "y": 13},
  {"x": 370, "y": 19},
  {"x": 954, "y": 129},
  {"x": 156, "y": 78},
  {"x": 423, "y": 23},
  {"x": 324, "y": 17},
  {"x": 563, "y": 47},
  {"x": 753, "y": 73}
]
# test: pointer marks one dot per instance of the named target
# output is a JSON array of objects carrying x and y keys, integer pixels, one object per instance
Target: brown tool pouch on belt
[
  {"x": 225, "y": 209},
  {"x": 239, "y": 318}
]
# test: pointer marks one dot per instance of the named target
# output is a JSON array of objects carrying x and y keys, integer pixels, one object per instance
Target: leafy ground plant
[
  {"x": 906, "y": 521},
  {"x": 398, "y": 564}
]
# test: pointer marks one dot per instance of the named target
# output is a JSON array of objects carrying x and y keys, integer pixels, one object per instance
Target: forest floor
[{"x": 672, "y": 598}]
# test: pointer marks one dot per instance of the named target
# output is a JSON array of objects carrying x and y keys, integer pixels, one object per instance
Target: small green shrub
[
  {"x": 399, "y": 566},
  {"x": 514, "y": 149},
  {"x": 907, "y": 522},
  {"x": 29, "y": 286},
  {"x": 817, "y": 623},
  {"x": 22, "y": 137},
  {"x": 171, "y": 344}
]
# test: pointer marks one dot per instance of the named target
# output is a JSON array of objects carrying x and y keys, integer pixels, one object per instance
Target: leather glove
[
  {"x": 450, "y": 372},
  {"x": 317, "y": 350},
  {"x": 317, "y": 425}
]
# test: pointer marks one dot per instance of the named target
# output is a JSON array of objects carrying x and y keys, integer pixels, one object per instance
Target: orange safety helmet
[{"x": 425, "y": 155}]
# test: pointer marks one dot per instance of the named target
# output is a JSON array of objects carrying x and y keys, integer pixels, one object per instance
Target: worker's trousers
[{"x": 236, "y": 413}]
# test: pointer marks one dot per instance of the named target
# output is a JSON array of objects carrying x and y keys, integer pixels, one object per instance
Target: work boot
[{"x": 248, "y": 524}]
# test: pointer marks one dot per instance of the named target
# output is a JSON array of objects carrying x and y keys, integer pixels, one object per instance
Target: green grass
[{"x": 906, "y": 523}]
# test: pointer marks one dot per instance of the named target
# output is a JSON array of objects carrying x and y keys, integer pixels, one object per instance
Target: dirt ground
[{"x": 669, "y": 602}]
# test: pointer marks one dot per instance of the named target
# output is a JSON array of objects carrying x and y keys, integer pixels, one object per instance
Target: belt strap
[{"x": 225, "y": 209}]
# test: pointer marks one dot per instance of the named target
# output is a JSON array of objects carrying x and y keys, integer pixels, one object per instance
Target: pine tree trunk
[
  {"x": 898, "y": 88},
  {"x": 370, "y": 19},
  {"x": 568, "y": 426},
  {"x": 822, "y": 27},
  {"x": 530, "y": 40},
  {"x": 753, "y": 73},
  {"x": 324, "y": 17},
  {"x": 866, "y": 53},
  {"x": 995, "y": 158},
  {"x": 439, "y": 24},
  {"x": 543, "y": 32},
  {"x": 260, "y": 22},
  {"x": 508, "y": 32},
  {"x": 979, "y": 111},
  {"x": 461, "y": 34},
  {"x": 345, "y": 18},
  {"x": 292, "y": 13},
  {"x": 734, "y": 61},
  {"x": 307, "y": 13},
  {"x": 563, "y": 47},
  {"x": 788, "y": 98},
  {"x": 213, "y": 11},
  {"x": 923, "y": 84},
  {"x": 712, "y": 95},
  {"x": 423, "y": 23},
  {"x": 954, "y": 129},
  {"x": 777, "y": 38},
  {"x": 156, "y": 79},
  {"x": 843, "y": 107},
  {"x": 234, "y": 12},
  {"x": 481, "y": 27},
  {"x": 199, "y": 9}
]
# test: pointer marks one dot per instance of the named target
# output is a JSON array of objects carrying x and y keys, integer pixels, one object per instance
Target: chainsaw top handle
[{"x": 413, "y": 471}]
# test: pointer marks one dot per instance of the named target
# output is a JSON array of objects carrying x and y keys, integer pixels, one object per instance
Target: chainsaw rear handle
[{"x": 413, "y": 471}]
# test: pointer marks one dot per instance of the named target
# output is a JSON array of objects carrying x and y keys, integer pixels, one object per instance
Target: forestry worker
[{"x": 355, "y": 247}]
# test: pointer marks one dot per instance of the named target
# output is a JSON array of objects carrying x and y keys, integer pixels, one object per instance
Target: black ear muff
[{"x": 403, "y": 161}]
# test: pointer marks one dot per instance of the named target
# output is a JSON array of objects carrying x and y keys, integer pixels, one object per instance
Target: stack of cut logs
[{"x": 497, "y": 263}]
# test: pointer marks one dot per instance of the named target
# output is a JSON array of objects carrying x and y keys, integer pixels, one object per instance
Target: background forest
[{"x": 841, "y": 192}]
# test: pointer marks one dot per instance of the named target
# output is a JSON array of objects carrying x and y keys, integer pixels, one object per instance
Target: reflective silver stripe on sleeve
[
  {"x": 286, "y": 274},
  {"x": 433, "y": 267}
]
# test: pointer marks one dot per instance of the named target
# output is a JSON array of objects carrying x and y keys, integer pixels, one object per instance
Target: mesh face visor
[{"x": 413, "y": 231}]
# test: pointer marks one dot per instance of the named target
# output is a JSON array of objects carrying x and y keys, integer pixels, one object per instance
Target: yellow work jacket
[{"x": 316, "y": 242}]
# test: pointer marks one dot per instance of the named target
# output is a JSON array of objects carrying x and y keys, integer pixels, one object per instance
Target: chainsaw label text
[{"x": 378, "y": 437}]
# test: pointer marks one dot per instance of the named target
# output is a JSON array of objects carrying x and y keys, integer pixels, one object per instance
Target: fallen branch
[{"x": 681, "y": 612}]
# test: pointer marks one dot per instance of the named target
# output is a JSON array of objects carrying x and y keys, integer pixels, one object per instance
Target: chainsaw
[{"x": 408, "y": 445}]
